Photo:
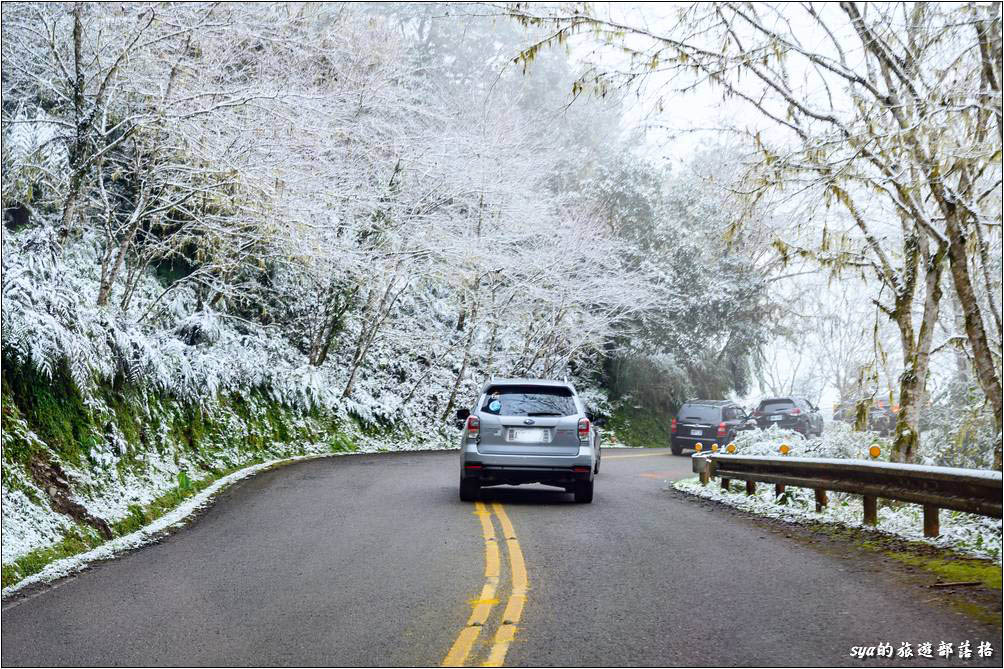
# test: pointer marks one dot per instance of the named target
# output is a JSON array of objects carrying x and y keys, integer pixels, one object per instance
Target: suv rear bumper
[
  {"x": 557, "y": 470},
  {"x": 688, "y": 441},
  {"x": 559, "y": 476}
]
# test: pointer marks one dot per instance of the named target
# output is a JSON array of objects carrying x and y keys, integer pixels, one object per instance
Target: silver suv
[{"x": 528, "y": 431}]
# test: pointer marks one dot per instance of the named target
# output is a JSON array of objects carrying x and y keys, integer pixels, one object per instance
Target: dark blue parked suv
[{"x": 707, "y": 422}]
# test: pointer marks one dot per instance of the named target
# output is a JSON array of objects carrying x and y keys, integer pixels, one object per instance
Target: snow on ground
[
  {"x": 26, "y": 526},
  {"x": 967, "y": 533}
]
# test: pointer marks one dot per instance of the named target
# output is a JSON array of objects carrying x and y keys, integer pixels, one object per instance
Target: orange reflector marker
[
  {"x": 698, "y": 447},
  {"x": 731, "y": 448},
  {"x": 784, "y": 449},
  {"x": 875, "y": 451},
  {"x": 714, "y": 448}
]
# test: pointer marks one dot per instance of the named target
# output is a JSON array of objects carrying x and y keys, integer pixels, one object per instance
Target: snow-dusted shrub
[
  {"x": 49, "y": 318},
  {"x": 950, "y": 443},
  {"x": 838, "y": 441},
  {"x": 959, "y": 428}
]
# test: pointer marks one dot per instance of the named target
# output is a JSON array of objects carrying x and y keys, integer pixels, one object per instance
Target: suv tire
[
  {"x": 677, "y": 450},
  {"x": 469, "y": 489},
  {"x": 583, "y": 492}
]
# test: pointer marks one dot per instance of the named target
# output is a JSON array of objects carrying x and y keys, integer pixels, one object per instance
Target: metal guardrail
[{"x": 971, "y": 490}]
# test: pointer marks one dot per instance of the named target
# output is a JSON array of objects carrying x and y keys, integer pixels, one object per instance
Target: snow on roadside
[
  {"x": 112, "y": 478},
  {"x": 149, "y": 533},
  {"x": 967, "y": 533},
  {"x": 24, "y": 528}
]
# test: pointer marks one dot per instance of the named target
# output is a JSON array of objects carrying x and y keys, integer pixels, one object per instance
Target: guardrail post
[
  {"x": 932, "y": 525},
  {"x": 701, "y": 467},
  {"x": 778, "y": 489},
  {"x": 750, "y": 487},
  {"x": 821, "y": 500},
  {"x": 725, "y": 484},
  {"x": 871, "y": 509}
]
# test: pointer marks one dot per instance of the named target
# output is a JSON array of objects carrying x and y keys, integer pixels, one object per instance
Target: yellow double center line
[{"x": 482, "y": 606}]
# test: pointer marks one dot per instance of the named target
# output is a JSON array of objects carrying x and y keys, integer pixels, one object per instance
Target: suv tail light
[
  {"x": 473, "y": 427},
  {"x": 583, "y": 429},
  {"x": 722, "y": 429},
  {"x": 672, "y": 426},
  {"x": 757, "y": 412},
  {"x": 795, "y": 411}
]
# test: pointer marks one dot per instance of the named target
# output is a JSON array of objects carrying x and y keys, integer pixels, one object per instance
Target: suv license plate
[
  {"x": 776, "y": 417},
  {"x": 696, "y": 433},
  {"x": 533, "y": 435}
]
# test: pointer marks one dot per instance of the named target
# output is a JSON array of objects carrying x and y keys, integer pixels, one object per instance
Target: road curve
[{"x": 372, "y": 560}]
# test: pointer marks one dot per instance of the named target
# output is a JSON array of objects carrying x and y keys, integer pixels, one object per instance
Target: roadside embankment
[{"x": 82, "y": 473}]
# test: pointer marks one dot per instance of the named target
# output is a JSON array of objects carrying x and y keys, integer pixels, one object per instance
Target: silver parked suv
[{"x": 528, "y": 431}]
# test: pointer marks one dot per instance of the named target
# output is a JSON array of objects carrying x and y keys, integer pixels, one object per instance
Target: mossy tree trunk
[
  {"x": 916, "y": 347},
  {"x": 983, "y": 362}
]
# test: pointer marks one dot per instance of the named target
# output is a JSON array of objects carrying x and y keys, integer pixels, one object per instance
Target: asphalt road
[{"x": 374, "y": 561}]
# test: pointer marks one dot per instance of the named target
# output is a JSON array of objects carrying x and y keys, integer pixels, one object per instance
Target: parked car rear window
[
  {"x": 529, "y": 401},
  {"x": 773, "y": 406},
  {"x": 701, "y": 412}
]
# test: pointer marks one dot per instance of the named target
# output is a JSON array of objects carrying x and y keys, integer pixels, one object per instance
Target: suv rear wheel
[
  {"x": 469, "y": 489},
  {"x": 583, "y": 492},
  {"x": 677, "y": 450}
]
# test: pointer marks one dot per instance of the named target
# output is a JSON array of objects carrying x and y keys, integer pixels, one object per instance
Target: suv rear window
[
  {"x": 773, "y": 406},
  {"x": 703, "y": 412},
  {"x": 529, "y": 401}
]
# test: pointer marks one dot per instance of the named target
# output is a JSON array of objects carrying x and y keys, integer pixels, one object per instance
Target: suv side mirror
[
  {"x": 599, "y": 421},
  {"x": 460, "y": 417}
]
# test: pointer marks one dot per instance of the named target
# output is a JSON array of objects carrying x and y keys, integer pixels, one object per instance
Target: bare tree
[{"x": 888, "y": 110}]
